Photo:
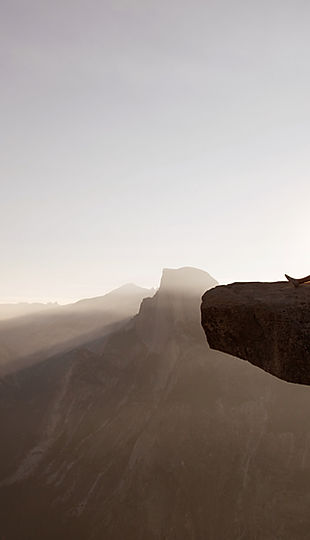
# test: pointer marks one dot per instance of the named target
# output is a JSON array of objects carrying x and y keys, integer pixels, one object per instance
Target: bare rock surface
[{"x": 267, "y": 324}]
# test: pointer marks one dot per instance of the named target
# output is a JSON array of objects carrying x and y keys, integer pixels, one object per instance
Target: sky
[{"x": 138, "y": 135}]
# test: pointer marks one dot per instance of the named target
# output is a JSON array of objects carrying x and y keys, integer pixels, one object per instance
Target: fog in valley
[{"x": 42, "y": 332}]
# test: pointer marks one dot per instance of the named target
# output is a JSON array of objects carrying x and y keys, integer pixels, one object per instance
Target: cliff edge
[{"x": 267, "y": 324}]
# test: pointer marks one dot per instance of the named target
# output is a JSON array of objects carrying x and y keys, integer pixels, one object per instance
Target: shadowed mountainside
[
  {"x": 267, "y": 324},
  {"x": 156, "y": 436}
]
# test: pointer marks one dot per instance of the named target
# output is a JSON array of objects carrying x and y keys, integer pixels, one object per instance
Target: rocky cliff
[{"x": 267, "y": 324}]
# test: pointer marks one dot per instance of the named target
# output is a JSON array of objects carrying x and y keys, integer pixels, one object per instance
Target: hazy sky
[{"x": 138, "y": 135}]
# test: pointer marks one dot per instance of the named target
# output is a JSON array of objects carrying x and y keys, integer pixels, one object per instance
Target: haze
[{"x": 140, "y": 135}]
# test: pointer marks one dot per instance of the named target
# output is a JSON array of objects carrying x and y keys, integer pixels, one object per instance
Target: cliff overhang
[{"x": 267, "y": 324}]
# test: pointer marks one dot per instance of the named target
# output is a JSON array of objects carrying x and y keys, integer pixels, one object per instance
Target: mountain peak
[
  {"x": 130, "y": 288},
  {"x": 187, "y": 279}
]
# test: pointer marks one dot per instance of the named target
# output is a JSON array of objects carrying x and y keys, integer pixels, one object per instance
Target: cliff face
[{"x": 267, "y": 324}]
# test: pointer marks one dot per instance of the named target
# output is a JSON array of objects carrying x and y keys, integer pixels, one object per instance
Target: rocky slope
[
  {"x": 154, "y": 437},
  {"x": 267, "y": 324}
]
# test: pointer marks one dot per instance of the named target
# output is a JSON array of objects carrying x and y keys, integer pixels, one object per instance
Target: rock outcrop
[{"x": 267, "y": 324}]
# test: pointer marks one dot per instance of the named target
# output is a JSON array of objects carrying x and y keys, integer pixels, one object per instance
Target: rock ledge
[{"x": 267, "y": 324}]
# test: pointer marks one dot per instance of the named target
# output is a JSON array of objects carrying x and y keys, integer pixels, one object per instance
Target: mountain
[
  {"x": 31, "y": 338},
  {"x": 11, "y": 311},
  {"x": 153, "y": 437}
]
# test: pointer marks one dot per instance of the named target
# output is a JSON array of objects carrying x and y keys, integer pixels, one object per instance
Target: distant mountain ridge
[
  {"x": 20, "y": 309},
  {"x": 33, "y": 337},
  {"x": 122, "y": 296}
]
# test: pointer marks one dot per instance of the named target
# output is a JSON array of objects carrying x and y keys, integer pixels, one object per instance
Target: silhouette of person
[{"x": 297, "y": 281}]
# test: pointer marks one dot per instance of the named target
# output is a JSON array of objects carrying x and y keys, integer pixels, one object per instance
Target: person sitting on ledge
[{"x": 296, "y": 282}]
